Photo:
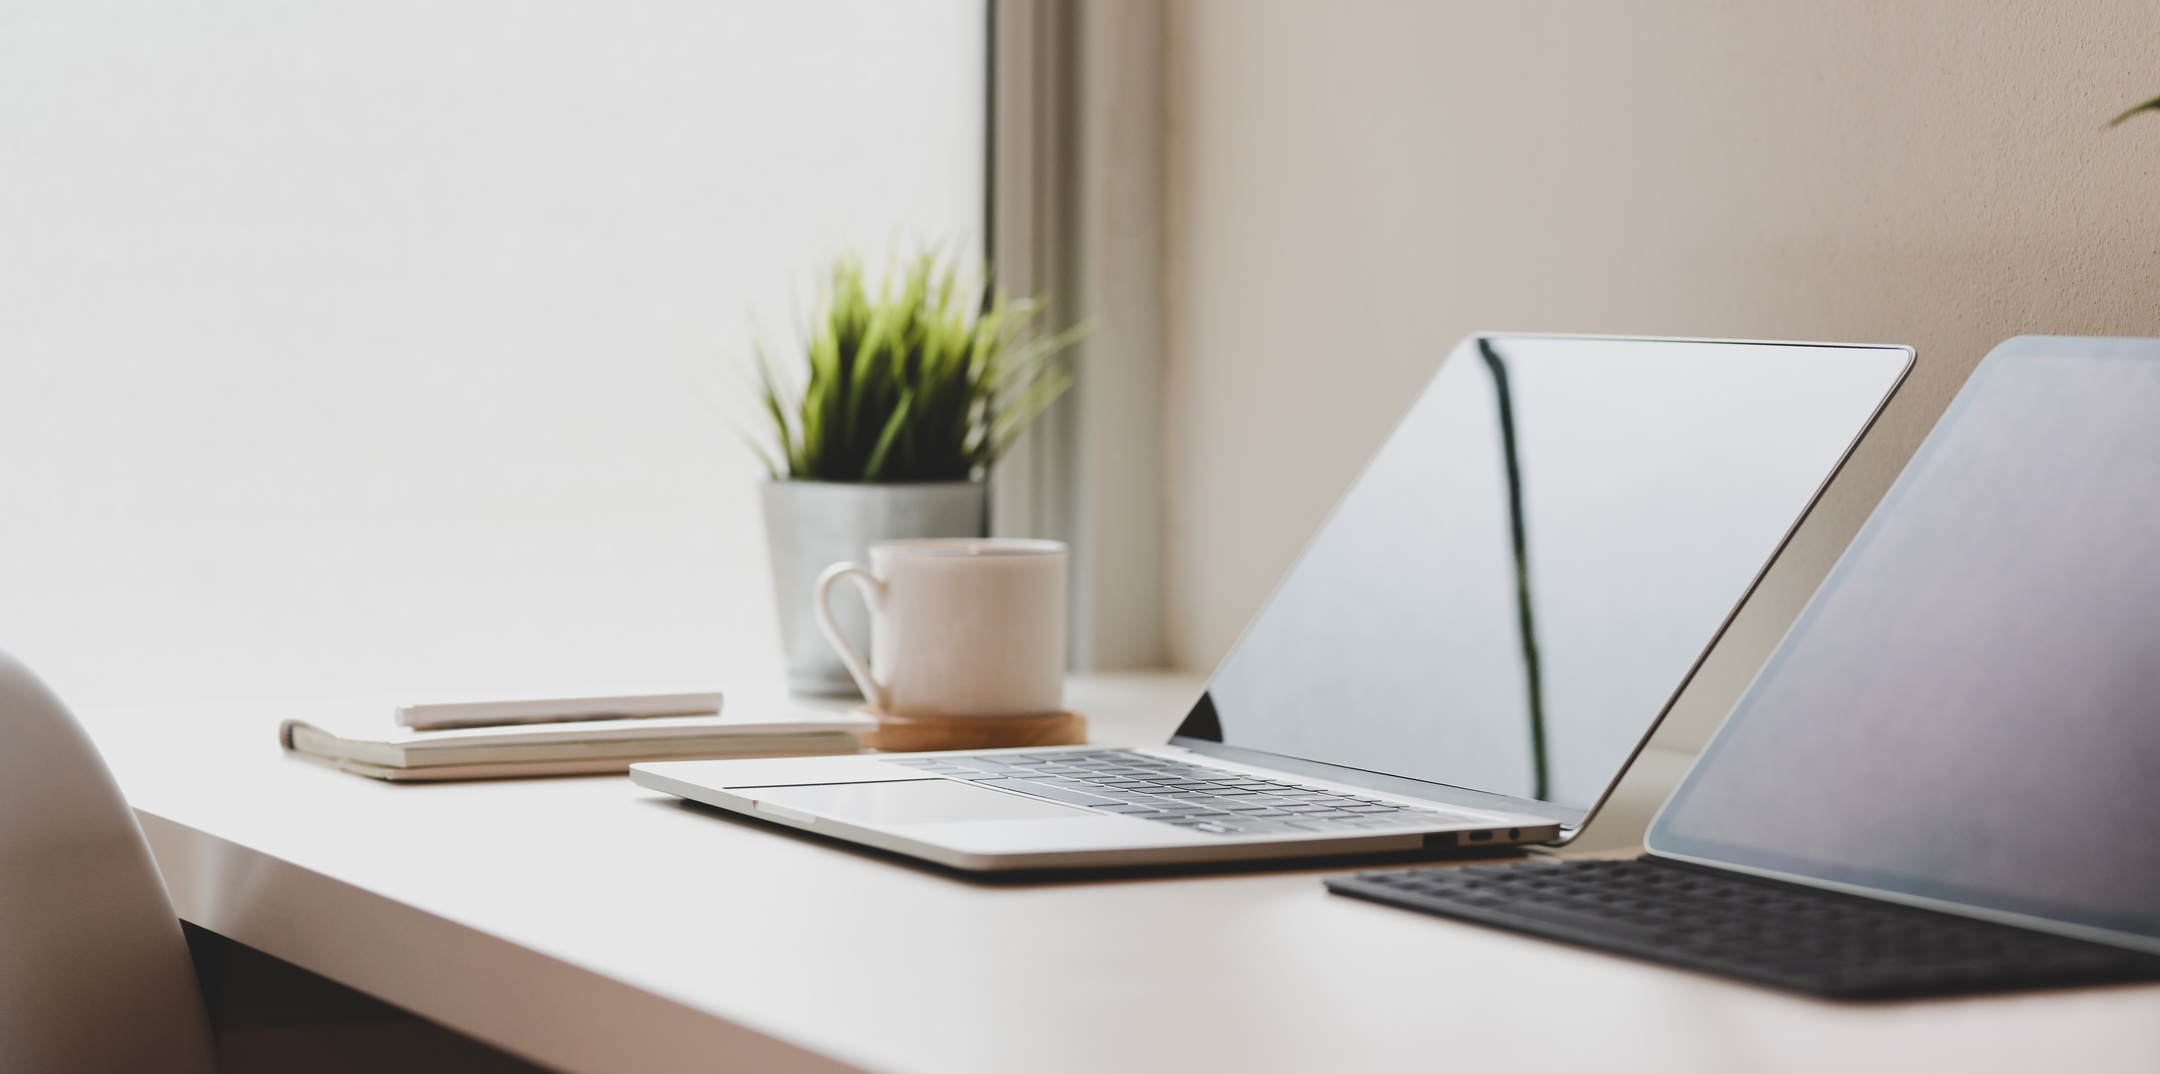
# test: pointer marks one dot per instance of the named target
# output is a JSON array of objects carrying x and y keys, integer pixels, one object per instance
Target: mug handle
[{"x": 873, "y": 589}]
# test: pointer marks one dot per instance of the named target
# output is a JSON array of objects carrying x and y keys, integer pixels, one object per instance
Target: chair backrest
[{"x": 94, "y": 974}]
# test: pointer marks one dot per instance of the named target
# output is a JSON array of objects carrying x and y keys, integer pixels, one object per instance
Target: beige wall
[{"x": 1354, "y": 186}]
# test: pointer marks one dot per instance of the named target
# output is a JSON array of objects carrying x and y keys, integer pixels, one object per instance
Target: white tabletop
[{"x": 594, "y": 926}]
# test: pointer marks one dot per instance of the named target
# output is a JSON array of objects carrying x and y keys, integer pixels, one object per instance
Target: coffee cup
[{"x": 958, "y": 627}]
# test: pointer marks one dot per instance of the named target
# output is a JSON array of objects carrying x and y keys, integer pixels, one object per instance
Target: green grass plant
[{"x": 920, "y": 381}]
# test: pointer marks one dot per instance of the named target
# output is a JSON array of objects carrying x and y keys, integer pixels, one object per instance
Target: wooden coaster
[{"x": 911, "y": 734}]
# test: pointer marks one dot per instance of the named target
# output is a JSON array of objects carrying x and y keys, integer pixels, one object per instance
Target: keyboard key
[{"x": 1043, "y": 790}]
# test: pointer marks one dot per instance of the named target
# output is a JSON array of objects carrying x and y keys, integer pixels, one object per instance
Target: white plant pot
[{"x": 811, "y": 525}]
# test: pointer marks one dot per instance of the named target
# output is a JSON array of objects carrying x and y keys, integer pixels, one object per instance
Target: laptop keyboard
[
  {"x": 1771, "y": 933},
  {"x": 1190, "y": 796}
]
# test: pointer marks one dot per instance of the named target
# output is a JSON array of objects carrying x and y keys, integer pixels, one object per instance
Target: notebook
[{"x": 368, "y": 738}]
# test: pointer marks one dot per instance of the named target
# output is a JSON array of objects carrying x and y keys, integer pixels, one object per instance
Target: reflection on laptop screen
[
  {"x": 1969, "y": 709},
  {"x": 1527, "y": 571}
]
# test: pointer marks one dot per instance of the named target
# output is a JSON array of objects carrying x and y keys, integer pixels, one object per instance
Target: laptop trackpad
[{"x": 928, "y": 801}]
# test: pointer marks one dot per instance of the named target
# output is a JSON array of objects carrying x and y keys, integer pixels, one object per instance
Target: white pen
[{"x": 444, "y": 715}]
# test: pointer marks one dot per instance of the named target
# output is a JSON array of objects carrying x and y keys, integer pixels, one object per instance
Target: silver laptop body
[{"x": 1469, "y": 652}]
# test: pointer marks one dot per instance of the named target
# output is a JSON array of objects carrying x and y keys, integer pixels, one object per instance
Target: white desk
[{"x": 593, "y": 926}]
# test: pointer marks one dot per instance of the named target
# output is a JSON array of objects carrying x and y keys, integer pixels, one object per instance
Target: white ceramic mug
[{"x": 958, "y": 627}]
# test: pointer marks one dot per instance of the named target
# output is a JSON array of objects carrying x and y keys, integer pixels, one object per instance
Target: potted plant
[{"x": 905, "y": 400}]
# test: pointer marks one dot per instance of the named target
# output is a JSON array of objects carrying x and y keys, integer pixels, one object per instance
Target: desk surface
[{"x": 595, "y": 926}]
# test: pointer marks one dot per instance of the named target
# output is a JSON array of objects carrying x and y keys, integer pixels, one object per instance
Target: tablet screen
[{"x": 1969, "y": 709}]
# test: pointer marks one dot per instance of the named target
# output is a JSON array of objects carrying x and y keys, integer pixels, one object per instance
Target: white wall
[
  {"x": 350, "y": 346},
  {"x": 1355, "y": 186}
]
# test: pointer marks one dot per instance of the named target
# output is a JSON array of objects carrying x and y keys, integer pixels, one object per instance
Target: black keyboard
[
  {"x": 1763, "y": 931},
  {"x": 1200, "y": 799}
]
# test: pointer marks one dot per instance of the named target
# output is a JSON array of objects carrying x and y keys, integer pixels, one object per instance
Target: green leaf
[
  {"x": 876, "y": 466},
  {"x": 2149, "y": 106}
]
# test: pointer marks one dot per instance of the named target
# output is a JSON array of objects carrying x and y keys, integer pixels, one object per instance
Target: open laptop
[
  {"x": 1469, "y": 651},
  {"x": 1946, "y": 777}
]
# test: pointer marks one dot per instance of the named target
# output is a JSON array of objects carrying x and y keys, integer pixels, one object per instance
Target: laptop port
[{"x": 1480, "y": 837}]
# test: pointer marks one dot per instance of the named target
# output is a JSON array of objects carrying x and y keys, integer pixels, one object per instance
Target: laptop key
[{"x": 1044, "y": 790}]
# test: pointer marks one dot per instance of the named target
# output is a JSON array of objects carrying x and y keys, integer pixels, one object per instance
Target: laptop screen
[
  {"x": 1969, "y": 709},
  {"x": 1527, "y": 571}
]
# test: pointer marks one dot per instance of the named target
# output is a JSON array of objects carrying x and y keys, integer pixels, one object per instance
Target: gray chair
[{"x": 94, "y": 974}]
